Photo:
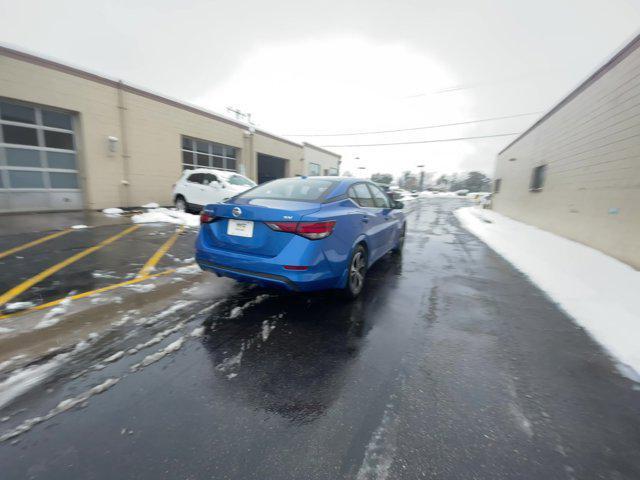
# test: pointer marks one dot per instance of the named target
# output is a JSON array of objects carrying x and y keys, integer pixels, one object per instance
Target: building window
[
  {"x": 497, "y": 183},
  {"x": 314, "y": 169},
  {"x": 333, "y": 172},
  {"x": 537, "y": 178},
  {"x": 37, "y": 148},
  {"x": 203, "y": 154}
]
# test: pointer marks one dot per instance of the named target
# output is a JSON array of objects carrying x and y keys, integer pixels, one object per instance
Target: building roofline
[
  {"x": 618, "y": 57},
  {"x": 64, "y": 68},
  {"x": 320, "y": 149}
]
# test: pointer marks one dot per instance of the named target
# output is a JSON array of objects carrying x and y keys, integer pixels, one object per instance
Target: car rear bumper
[
  {"x": 261, "y": 278},
  {"x": 269, "y": 272}
]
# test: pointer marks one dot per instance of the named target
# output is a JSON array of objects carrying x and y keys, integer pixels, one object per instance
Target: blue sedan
[{"x": 301, "y": 234}]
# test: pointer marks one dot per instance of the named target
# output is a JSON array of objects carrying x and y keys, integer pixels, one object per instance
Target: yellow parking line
[
  {"x": 19, "y": 248},
  {"x": 27, "y": 284},
  {"x": 89, "y": 293},
  {"x": 155, "y": 258}
]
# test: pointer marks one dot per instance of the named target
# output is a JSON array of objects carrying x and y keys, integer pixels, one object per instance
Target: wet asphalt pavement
[
  {"x": 451, "y": 365},
  {"x": 117, "y": 262}
]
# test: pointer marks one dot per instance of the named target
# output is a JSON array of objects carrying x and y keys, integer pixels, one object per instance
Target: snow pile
[
  {"x": 112, "y": 211},
  {"x": 154, "y": 357},
  {"x": 63, "y": 406},
  {"x": 599, "y": 292},
  {"x": 23, "y": 379},
  {"x": 15, "y": 306},
  {"x": 231, "y": 362},
  {"x": 267, "y": 328},
  {"x": 141, "y": 288},
  {"x": 407, "y": 199},
  {"x": 115, "y": 357},
  {"x": 427, "y": 194},
  {"x": 197, "y": 332},
  {"x": 156, "y": 339},
  {"x": 150, "y": 205},
  {"x": 188, "y": 270},
  {"x": 179, "y": 305},
  {"x": 103, "y": 274},
  {"x": 53, "y": 316},
  {"x": 167, "y": 215},
  {"x": 380, "y": 451},
  {"x": 237, "y": 311}
]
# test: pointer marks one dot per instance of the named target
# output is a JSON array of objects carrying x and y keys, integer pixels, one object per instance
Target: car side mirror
[{"x": 398, "y": 205}]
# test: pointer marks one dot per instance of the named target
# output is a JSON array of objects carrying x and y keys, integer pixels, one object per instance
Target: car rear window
[{"x": 298, "y": 189}]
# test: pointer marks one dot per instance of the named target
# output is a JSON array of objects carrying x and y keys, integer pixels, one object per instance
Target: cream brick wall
[
  {"x": 98, "y": 118},
  {"x": 269, "y": 146},
  {"x": 321, "y": 157},
  {"x": 151, "y": 130},
  {"x": 591, "y": 147},
  {"x": 154, "y": 132}
]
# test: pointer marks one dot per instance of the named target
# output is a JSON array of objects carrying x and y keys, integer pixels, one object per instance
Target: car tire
[
  {"x": 356, "y": 273},
  {"x": 400, "y": 243},
  {"x": 181, "y": 204}
]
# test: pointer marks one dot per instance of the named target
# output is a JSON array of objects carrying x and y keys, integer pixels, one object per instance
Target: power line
[
  {"x": 371, "y": 132},
  {"x": 422, "y": 141}
]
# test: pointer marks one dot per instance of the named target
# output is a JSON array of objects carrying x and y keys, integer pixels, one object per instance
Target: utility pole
[{"x": 421, "y": 167}]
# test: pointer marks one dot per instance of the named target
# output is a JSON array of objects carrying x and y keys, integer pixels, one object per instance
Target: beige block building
[
  {"x": 576, "y": 171},
  {"x": 318, "y": 161},
  {"x": 70, "y": 139}
]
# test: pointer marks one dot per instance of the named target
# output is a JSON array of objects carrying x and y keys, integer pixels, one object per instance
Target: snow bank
[
  {"x": 63, "y": 406},
  {"x": 237, "y": 311},
  {"x": 599, "y": 292},
  {"x": 427, "y": 194},
  {"x": 160, "y": 354},
  {"x": 54, "y": 315},
  {"x": 24, "y": 379},
  {"x": 166, "y": 215},
  {"x": 197, "y": 332},
  {"x": 112, "y": 211},
  {"x": 15, "y": 306}
]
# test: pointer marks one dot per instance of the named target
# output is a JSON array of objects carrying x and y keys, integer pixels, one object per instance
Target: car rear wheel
[
  {"x": 181, "y": 204},
  {"x": 356, "y": 273}
]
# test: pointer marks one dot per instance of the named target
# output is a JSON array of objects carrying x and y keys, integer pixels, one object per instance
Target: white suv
[{"x": 201, "y": 186}]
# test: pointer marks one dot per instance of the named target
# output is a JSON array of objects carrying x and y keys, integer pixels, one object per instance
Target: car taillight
[
  {"x": 206, "y": 217},
  {"x": 315, "y": 230},
  {"x": 310, "y": 230},
  {"x": 289, "y": 227}
]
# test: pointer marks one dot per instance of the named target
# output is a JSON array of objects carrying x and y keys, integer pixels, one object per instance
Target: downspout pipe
[{"x": 124, "y": 147}]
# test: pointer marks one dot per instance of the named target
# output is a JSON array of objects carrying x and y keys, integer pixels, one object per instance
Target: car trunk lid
[{"x": 253, "y": 213}]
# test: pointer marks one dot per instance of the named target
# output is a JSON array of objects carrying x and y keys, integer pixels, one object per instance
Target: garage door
[
  {"x": 270, "y": 168},
  {"x": 38, "y": 163}
]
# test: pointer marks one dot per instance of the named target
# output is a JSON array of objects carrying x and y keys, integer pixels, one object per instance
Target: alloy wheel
[{"x": 357, "y": 272}]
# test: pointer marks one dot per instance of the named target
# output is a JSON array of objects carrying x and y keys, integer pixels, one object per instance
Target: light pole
[
  {"x": 421, "y": 167},
  {"x": 357, "y": 158}
]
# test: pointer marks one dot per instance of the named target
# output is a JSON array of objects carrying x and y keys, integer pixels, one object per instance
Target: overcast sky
[{"x": 338, "y": 66}]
